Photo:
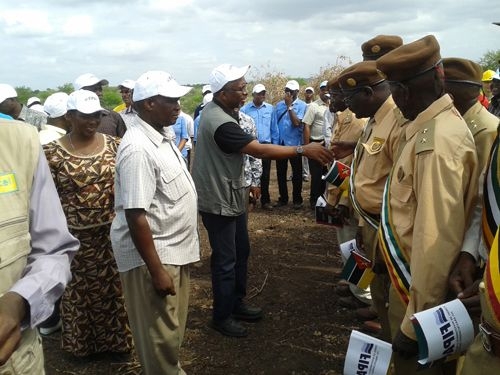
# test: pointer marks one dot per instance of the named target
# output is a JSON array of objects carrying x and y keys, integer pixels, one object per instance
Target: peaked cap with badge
[
  {"x": 361, "y": 74},
  {"x": 378, "y": 46}
]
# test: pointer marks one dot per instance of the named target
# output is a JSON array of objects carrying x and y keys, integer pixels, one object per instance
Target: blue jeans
[{"x": 228, "y": 236}]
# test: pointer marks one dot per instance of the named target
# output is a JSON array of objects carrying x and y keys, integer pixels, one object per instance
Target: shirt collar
[{"x": 154, "y": 136}]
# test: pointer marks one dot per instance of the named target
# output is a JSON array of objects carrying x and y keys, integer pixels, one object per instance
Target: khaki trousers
[
  {"x": 379, "y": 286},
  {"x": 157, "y": 323},
  {"x": 28, "y": 357}
]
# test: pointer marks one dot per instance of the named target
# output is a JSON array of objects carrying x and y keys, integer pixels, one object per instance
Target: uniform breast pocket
[
  {"x": 402, "y": 205},
  {"x": 173, "y": 185}
]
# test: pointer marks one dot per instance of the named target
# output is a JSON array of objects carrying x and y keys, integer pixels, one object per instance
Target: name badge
[{"x": 8, "y": 183}]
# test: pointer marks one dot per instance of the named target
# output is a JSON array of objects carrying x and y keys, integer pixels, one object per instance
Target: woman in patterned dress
[{"x": 82, "y": 164}]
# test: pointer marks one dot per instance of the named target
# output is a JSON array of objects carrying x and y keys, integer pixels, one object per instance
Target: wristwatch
[
  {"x": 290, "y": 108},
  {"x": 299, "y": 150}
]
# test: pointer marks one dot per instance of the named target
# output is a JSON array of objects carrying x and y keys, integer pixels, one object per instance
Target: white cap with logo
[
  {"x": 84, "y": 101},
  {"x": 157, "y": 82},
  {"x": 128, "y": 83},
  {"x": 226, "y": 73}
]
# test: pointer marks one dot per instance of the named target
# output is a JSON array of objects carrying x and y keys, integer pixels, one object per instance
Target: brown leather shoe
[
  {"x": 350, "y": 302},
  {"x": 366, "y": 313},
  {"x": 371, "y": 326}
]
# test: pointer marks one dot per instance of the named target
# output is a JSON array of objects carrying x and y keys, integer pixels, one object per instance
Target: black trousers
[
  {"x": 317, "y": 170},
  {"x": 264, "y": 181},
  {"x": 228, "y": 236},
  {"x": 281, "y": 172}
]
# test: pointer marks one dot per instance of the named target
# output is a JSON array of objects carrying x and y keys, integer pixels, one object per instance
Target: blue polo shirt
[
  {"x": 262, "y": 117},
  {"x": 180, "y": 129},
  {"x": 289, "y": 135}
]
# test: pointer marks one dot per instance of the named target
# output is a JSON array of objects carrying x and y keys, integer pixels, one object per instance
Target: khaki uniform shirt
[
  {"x": 375, "y": 154},
  {"x": 348, "y": 128},
  {"x": 483, "y": 126},
  {"x": 432, "y": 192}
]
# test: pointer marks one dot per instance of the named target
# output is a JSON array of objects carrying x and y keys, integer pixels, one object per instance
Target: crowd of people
[{"x": 100, "y": 208}]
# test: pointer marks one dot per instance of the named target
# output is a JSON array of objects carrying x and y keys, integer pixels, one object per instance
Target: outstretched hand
[{"x": 318, "y": 152}]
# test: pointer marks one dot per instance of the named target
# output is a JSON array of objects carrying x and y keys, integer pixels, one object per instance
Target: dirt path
[{"x": 293, "y": 270}]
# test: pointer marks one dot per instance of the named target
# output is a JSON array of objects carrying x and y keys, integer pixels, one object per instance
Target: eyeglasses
[
  {"x": 243, "y": 89},
  {"x": 350, "y": 94}
]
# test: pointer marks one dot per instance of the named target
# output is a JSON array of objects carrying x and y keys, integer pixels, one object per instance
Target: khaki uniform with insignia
[
  {"x": 432, "y": 191},
  {"x": 348, "y": 128}
]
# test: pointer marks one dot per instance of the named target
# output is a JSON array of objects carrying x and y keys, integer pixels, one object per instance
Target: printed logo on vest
[{"x": 8, "y": 183}]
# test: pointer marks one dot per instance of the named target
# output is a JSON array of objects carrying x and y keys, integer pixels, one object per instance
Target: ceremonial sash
[
  {"x": 491, "y": 197},
  {"x": 374, "y": 222},
  {"x": 491, "y": 219},
  {"x": 395, "y": 257}
]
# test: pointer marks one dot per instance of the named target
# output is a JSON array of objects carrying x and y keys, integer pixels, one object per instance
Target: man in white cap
[
  {"x": 287, "y": 117},
  {"x": 111, "y": 122},
  {"x": 126, "y": 109},
  {"x": 55, "y": 107},
  {"x": 262, "y": 112},
  {"x": 313, "y": 132},
  {"x": 155, "y": 230},
  {"x": 10, "y": 105},
  {"x": 35, "y": 103},
  {"x": 205, "y": 90},
  {"x": 309, "y": 95},
  {"x": 222, "y": 195}
]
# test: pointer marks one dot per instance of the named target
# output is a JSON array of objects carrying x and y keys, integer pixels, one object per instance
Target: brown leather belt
[{"x": 490, "y": 338}]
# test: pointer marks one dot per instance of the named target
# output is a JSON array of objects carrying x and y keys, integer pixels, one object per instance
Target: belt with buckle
[{"x": 490, "y": 338}]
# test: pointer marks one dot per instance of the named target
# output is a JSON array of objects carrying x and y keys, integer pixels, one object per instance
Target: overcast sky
[{"x": 46, "y": 43}]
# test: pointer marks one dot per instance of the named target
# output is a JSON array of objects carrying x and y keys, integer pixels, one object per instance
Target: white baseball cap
[
  {"x": 128, "y": 83},
  {"x": 6, "y": 92},
  {"x": 226, "y": 73},
  {"x": 309, "y": 88},
  {"x": 292, "y": 85},
  {"x": 56, "y": 105},
  {"x": 157, "y": 82},
  {"x": 323, "y": 84},
  {"x": 206, "y": 89},
  {"x": 84, "y": 101},
  {"x": 259, "y": 87},
  {"x": 208, "y": 98},
  {"x": 88, "y": 79},
  {"x": 33, "y": 100}
]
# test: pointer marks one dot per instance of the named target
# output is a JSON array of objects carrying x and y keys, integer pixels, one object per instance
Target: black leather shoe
[
  {"x": 229, "y": 327},
  {"x": 280, "y": 204},
  {"x": 247, "y": 313}
]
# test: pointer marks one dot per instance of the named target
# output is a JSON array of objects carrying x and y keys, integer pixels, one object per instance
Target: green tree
[{"x": 490, "y": 60}]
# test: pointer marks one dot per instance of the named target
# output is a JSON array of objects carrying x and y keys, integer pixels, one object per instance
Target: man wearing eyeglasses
[{"x": 218, "y": 173}]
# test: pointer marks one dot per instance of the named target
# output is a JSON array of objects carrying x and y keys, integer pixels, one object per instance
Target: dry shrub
[{"x": 275, "y": 80}]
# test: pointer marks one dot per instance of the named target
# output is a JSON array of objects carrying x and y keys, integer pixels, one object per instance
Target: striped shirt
[{"x": 151, "y": 175}]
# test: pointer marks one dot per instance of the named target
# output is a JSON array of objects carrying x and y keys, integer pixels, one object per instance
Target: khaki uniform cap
[
  {"x": 462, "y": 70},
  {"x": 333, "y": 84},
  {"x": 410, "y": 59},
  {"x": 378, "y": 46},
  {"x": 361, "y": 74}
]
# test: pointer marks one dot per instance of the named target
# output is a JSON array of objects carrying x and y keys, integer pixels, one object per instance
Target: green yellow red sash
[
  {"x": 395, "y": 257},
  {"x": 491, "y": 219}
]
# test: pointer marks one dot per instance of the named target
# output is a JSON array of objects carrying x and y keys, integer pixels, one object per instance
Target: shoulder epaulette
[
  {"x": 399, "y": 116},
  {"x": 475, "y": 125},
  {"x": 425, "y": 138}
]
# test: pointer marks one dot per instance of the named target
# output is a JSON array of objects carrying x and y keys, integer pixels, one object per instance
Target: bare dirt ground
[{"x": 293, "y": 270}]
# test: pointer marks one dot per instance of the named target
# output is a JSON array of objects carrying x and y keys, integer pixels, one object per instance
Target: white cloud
[
  {"x": 189, "y": 38},
  {"x": 78, "y": 26},
  {"x": 25, "y": 22}
]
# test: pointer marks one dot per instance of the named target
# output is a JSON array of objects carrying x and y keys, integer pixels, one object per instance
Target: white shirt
[
  {"x": 190, "y": 129},
  {"x": 152, "y": 175}
]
